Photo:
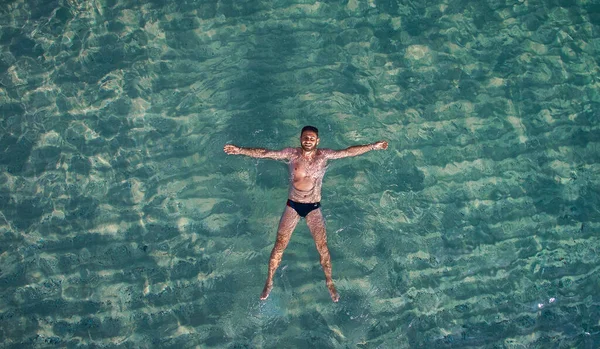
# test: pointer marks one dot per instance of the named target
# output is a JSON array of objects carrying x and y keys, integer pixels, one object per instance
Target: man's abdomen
[{"x": 305, "y": 196}]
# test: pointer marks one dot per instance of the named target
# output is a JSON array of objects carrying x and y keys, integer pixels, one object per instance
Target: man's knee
[
  {"x": 283, "y": 238},
  {"x": 278, "y": 249},
  {"x": 324, "y": 253},
  {"x": 326, "y": 261}
]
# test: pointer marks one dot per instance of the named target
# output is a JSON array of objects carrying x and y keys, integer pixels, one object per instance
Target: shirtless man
[{"x": 307, "y": 168}]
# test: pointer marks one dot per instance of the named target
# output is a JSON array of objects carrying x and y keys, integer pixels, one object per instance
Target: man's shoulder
[
  {"x": 292, "y": 150},
  {"x": 324, "y": 152}
]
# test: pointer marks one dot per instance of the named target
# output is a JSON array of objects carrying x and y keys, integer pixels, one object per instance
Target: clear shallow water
[{"x": 125, "y": 225}]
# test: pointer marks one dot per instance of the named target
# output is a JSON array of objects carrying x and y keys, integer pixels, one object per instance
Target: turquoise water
[{"x": 125, "y": 225}]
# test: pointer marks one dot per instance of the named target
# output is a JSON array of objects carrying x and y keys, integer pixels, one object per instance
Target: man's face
[{"x": 309, "y": 140}]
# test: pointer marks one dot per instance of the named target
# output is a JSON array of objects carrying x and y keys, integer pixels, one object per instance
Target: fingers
[
  {"x": 382, "y": 145},
  {"x": 230, "y": 149}
]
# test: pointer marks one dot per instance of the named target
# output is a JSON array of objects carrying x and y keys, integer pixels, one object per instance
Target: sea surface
[{"x": 123, "y": 224}]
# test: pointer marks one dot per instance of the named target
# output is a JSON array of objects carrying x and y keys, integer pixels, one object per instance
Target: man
[{"x": 307, "y": 168}]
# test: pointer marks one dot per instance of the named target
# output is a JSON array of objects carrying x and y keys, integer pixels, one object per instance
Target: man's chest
[{"x": 307, "y": 168}]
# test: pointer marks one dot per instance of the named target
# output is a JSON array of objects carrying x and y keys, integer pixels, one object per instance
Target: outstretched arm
[
  {"x": 356, "y": 150},
  {"x": 258, "y": 152}
]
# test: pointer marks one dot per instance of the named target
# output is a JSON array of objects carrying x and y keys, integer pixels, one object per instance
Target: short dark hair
[{"x": 310, "y": 128}]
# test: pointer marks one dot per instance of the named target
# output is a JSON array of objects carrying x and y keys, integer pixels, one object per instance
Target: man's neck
[{"x": 309, "y": 154}]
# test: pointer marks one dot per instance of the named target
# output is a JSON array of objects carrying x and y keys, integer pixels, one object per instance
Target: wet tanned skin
[{"x": 307, "y": 166}]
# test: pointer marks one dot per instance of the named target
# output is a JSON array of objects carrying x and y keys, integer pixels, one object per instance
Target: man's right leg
[{"x": 288, "y": 222}]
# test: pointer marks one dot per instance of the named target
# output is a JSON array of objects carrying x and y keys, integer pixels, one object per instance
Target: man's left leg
[{"x": 316, "y": 225}]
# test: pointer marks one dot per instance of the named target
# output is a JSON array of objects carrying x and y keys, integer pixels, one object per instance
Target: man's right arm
[{"x": 259, "y": 152}]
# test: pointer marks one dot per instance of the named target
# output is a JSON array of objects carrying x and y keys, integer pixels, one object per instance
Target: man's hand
[
  {"x": 231, "y": 149},
  {"x": 381, "y": 145}
]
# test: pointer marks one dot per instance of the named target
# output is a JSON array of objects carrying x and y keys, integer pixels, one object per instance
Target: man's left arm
[{"x": 356, "y": 150}]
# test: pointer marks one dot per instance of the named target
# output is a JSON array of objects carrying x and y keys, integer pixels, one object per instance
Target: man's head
[
  {"x": 309, "y": 138},
  {"x": 310, "y": 128}
]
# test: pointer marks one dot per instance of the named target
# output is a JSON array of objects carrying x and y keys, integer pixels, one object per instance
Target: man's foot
[
  {"x": 266, "y": 291},
  {"x": 333, "y": 292}
]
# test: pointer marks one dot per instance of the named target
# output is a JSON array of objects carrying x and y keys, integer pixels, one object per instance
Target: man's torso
[{"x": 306, "y": 176}]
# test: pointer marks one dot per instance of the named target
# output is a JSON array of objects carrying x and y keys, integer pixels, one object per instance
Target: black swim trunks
[{"x": 303, "y": 208}]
